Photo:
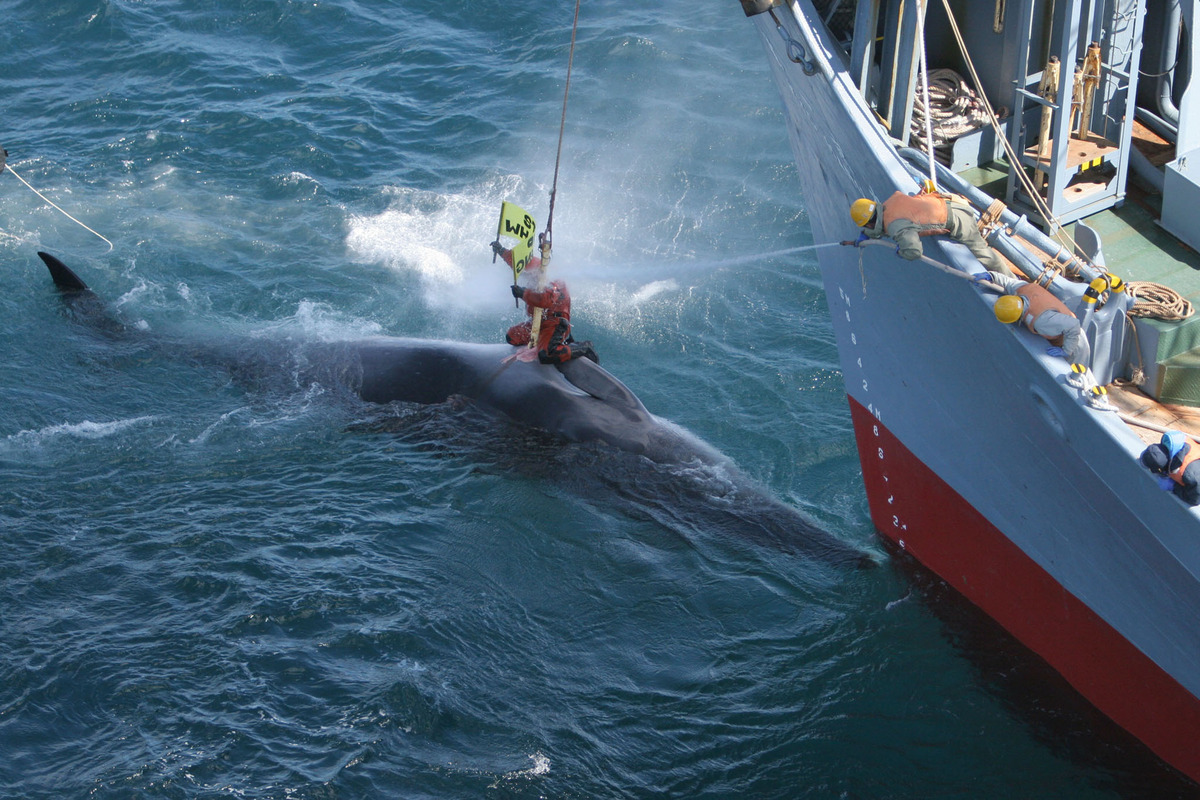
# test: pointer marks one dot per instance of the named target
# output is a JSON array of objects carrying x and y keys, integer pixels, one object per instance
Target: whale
[{"x": 577, "y": 402}]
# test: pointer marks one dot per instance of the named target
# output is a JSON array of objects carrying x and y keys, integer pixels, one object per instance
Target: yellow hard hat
[
  {"x": 861, "y": 211},
  {"x": 1009, "y": 308}
]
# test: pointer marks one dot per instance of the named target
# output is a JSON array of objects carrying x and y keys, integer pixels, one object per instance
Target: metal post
[{"x": 866, "y": 20}]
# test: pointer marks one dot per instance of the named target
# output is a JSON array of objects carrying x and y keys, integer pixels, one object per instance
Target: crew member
[
  {"x": 555, "y": 343},
  {"x": 906, "y": 218},
  {"x": 518, "y": 335},
  {"x": 1173, "y": 461},
  {"x": 1042, "y": 313}
]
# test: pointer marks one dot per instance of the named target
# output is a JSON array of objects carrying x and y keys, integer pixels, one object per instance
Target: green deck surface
[{"x": 1138, "y": 249}]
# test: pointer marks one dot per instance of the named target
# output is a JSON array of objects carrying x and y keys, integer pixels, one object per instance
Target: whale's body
[{"x": 578, "y": 401}]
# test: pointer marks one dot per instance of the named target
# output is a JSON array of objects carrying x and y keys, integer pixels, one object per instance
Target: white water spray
[
  {"x": 728, "y": 262},
  {"x": 774, "y": 254}
]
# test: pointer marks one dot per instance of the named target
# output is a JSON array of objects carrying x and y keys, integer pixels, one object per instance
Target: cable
[
  {"x": 561, "y": 128},
  {"x": 925, "y": 92}
]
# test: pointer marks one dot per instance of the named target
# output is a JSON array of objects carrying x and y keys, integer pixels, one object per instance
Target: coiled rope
[
  {"x": 1155, "y": 300},
  {"x": 954, "y": 109}
]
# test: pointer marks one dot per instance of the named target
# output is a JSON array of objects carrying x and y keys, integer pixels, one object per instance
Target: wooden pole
[
  {"x": 1090, "y": 79},
  {"x": 1047, "y": 90}
]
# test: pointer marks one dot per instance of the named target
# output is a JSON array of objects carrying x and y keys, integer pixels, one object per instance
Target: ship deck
[
  {"x": 1145, "y": 416},
  {"x": 1138, "y": 249}
]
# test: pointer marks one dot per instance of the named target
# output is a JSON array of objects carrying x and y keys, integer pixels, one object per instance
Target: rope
[
  {"x": 547, "y": 238},
  {"x": 990, "y": 219},
  {"x": 1050, "y": 269},
  {"x": 953, "y": 109},
  {"x": 562, "y": 126},
  {"x": 925, "y": 93},
  {"x": 51, "y": 202},
  {"x": 1157, "y": 301},
  {"x": 1137, "y": 375}
]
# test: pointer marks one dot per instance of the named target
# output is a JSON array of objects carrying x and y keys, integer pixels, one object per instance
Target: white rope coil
[{"x": 954, "y": 108}]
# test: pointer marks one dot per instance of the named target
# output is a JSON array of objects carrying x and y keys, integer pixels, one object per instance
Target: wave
[{"x": 79, "y": 430}]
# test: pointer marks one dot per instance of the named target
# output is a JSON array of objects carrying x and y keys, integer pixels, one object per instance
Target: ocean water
[{"x": 218, "y": 583}]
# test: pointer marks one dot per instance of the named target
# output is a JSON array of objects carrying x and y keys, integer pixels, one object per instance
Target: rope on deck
[
  {"x": 1157, "y": 301},
  {"x": 953, "y": 109}
]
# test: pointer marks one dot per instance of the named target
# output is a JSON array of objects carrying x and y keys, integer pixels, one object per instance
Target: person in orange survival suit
[
  {"x": 518, "y": 335},
  {"x": 555, "y": 342},
  {"x": 1174, "y": 462}
]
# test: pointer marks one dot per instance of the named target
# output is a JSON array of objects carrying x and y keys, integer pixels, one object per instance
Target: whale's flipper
[{"x": 64, "y": 278}]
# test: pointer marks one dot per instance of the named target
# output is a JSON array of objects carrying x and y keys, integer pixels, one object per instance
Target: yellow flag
[{"x": 517, "y": 223}]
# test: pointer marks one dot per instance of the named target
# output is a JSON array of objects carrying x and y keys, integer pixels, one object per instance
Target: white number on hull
[{"x": 897, "y": 523}]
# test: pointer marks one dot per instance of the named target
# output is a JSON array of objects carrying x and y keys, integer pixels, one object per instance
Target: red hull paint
[{"x": 913, "y": 507}]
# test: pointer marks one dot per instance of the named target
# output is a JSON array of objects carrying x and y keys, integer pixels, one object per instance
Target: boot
[{"x": 584, "y": 350}]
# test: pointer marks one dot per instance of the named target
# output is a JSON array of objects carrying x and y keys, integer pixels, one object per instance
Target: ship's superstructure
[{"x": 1069, "y": 126}]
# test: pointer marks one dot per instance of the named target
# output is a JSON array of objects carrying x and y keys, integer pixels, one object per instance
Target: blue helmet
[{"x": 1174, "y": 441}]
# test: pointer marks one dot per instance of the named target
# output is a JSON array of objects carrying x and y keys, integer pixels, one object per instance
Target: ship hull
[
  {"x": 977, "y": 458},
  {"x": 947, "y": 535}
]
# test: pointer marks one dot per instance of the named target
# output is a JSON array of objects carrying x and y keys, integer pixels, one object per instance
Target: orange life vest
[
  {"x": 1039, "y": 300},
  {"x": 1188, "y": 457},
  {"x": 922, "y": 209}
]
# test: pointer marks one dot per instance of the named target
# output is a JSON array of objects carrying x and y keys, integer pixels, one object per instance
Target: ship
[{"x": 1014, "y": 474}]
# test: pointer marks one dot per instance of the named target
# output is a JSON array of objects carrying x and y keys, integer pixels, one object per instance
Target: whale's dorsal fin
[
  {"x": 81, "y": 300},
  {"x": 594, "y": 380},
  {"x": 64, "y": 278}
]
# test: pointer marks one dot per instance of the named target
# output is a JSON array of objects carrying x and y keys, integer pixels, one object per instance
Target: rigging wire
[{"x": 547, "y": 237}]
